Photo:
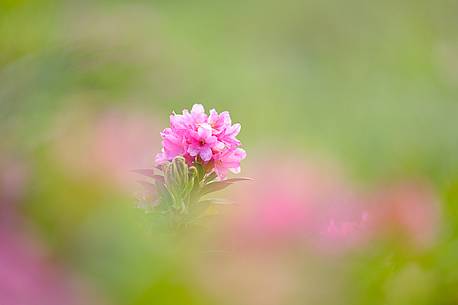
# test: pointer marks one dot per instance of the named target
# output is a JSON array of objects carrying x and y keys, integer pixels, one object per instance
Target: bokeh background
[{"x": 366, "y": 87}]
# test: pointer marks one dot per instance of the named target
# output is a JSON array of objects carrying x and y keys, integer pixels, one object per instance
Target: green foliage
[{"x": 177, "y": 190}]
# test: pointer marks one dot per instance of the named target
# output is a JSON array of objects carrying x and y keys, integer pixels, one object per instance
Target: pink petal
[
  {"x": 193, "y": 150},
  {"x": 204, "y": 131},
  {"x": 206, "y": 154},
  {"x": 197, "y": 108}
]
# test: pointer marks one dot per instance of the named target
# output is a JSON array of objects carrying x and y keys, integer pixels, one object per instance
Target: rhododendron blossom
[
  {"x": 198, "y": 151},
  {"x": 207, "y": 139}
]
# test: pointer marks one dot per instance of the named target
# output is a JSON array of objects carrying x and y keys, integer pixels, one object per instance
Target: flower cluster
[{"x": 206, "y": 139}]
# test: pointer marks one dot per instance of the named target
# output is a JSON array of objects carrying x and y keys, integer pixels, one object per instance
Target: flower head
[{"x": 207, "y": 139}]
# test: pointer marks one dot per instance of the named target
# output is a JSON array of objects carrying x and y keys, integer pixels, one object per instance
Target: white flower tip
[{"x": 198, "y": 108}]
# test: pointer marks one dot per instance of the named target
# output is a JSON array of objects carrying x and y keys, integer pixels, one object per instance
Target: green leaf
[
  {"x": 210, "y": 177},
  {"x": 220, "y": 185},
  {"x": 200, "y": 171},
  {"x": 145, "y": 172},
  {"x": 233, "y": 180},
  {"x": 165, "y": 197},
  {"x": 220, "y": 201}
]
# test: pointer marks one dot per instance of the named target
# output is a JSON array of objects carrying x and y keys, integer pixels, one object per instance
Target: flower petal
[{"x": 206, "y": 154}]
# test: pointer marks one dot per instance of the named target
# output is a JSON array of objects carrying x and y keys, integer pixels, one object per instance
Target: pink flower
[
  {"x": 182, "y": 123},
  {"x": 219, "y": 121},
  {"x": 199, "y": 137},
  {"x": 228, "y": 160},
  {"x": 202, "y": 142},
  {"x": 228, "y": 136},
  {"x": 173, "y": 143},
  {"x": 198, "y": 114}
]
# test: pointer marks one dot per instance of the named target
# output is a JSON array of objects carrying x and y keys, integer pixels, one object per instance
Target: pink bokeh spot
[
  {"x": 408, "y": 210},
  {"x": 312, "y": 205},
  {"x": 106, "y": 146}
]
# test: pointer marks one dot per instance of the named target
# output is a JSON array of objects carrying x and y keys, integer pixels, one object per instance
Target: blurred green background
[{"x": 372, "y": 84}]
